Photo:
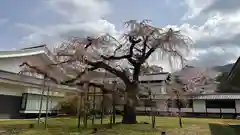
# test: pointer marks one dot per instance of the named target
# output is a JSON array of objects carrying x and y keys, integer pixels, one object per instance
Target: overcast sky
[{"x": 214, "y": 25}]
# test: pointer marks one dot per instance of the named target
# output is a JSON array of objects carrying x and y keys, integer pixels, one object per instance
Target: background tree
[
  {"x": 69, "y": 105},
  {"x": 221, "y": 77},
  {"x": 121, "y": 56},
  {"x": 150, "y": 69},
  {"x": 178, "y": 99}
]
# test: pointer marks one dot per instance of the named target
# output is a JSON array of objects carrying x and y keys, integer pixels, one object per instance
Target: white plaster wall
[
  {"x": 12, "y": 90},
  {"x": 213, "y": 110},
  {"x": 237, "y": 103},
  {"x": 199, "y": 106}
]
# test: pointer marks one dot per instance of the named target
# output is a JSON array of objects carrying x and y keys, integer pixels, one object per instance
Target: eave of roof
[
  {"x": 40, "y": 50},
  {"x": 24, "y": 52},
  {"x": 217, "y": 96},
  {"x": 28, "y": 80}
]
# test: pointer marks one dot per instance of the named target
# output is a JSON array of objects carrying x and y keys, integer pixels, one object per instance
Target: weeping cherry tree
[{"x": 122, "y": 56}]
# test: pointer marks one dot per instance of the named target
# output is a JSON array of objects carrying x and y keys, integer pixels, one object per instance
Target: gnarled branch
[
  {"x": 116, "y": 57},
  {"x": 101, "y": 64}
]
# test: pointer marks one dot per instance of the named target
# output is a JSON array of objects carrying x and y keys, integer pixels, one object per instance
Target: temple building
[{"x": 20, "y": 94}]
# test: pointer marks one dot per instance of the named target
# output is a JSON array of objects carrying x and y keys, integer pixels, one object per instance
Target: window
[
  {"x": 163, "y": 90},
  {"x": 220, "y": 103}
]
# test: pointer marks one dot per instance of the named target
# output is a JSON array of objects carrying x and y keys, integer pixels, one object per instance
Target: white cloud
[
  {"x": 223, "y": 6},
  {"x": 195, "y": 7},
  {"x": 215, "y": 56},
  {"x": 80, "y": 10},
  {"x": 81, "y": 18},
  {"x": 216, "y": 38},
  {"x": 219, "y": 30},
  {"x": 209, "y": 7},
  {"x": 54, "y": 34}
]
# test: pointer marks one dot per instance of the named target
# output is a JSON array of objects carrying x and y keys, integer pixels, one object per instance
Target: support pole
[
  {"x": 114, "y": 101},
  {"x": 102, "y": 108},
  {"x": 86, "y": 90},
  {"x": 179, "y": 108},
  {"x": 47, "y": 103},
  {"x": 151, "y": 105},
  {"x": 79, "y": 109},
  {"x": 41, "y": 100},
  {"x": 94, "y": 106},
  {"x": 152, "y": 113},
  {"x": 111, "y": 118},
  {"x": 155, "y": 111},
  {"x": 114, "y": 108}
]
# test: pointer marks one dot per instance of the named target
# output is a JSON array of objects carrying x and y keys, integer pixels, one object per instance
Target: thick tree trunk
[{"x": 129, "y": 116}]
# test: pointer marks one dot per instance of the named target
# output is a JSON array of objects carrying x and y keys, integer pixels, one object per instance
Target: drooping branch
[
  {"x": 39, "y": 71},
  {"x": 62, "y": 62},
  {"x": 78, "y": 76},
  {"x": 102, "y": 87}
]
